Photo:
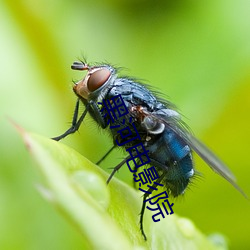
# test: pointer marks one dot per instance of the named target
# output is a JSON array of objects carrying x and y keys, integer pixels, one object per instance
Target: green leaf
[{"x": 106, "y": 216}]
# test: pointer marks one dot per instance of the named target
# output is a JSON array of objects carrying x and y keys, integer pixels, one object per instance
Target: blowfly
[{"x": 158, "y": 125}]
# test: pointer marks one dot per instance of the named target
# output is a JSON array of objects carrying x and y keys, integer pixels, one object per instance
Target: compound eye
[{"x": 97, "y": 79}]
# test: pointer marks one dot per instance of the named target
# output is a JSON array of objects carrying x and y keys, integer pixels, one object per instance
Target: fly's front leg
[
  {"x": 75, "y": 124},
  {"x": 97, "y": 114}
]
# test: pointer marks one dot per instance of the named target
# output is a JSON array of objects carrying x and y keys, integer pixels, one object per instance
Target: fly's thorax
[{"x": 94, "y": 84}]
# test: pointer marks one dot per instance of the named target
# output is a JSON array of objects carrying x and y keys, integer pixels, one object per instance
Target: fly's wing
[
  {"x": 174, "y": 123},
  {"x": 212, "y": 160}
]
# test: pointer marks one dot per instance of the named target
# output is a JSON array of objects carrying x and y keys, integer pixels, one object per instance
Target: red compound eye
[{"x": 97, "y": 79}]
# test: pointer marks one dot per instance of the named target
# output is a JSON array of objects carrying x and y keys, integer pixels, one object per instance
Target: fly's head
[{"x": 95, "y": 81}]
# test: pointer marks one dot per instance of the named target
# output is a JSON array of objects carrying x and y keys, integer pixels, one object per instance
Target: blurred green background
[{"x": 196, "y": 52}]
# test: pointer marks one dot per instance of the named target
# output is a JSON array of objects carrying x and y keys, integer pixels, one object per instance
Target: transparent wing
[{"x": 174, "y": 123}]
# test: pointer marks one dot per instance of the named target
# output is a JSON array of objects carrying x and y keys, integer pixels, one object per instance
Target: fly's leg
[
  {"x": 98, "y": 114},
  {"x": 75, "y": 124},
  {"x": 149, "y": 191},
  {"x": 134, "y": 183},
  {"x": 117, "y": 168},
  {"x": 100, "y": 120},
  {"x": 105, "y": 155},
  {"x": 142, "y": 214}
]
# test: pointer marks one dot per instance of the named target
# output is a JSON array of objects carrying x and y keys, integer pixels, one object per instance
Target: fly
[{"x": 164, "y": 135}]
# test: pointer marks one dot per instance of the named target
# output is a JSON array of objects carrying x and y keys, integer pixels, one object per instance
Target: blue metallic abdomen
[{"x": 173, "y": 158}]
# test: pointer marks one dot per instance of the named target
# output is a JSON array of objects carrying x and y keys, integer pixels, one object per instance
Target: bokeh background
[{"x": 195, "y": 52}]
